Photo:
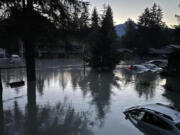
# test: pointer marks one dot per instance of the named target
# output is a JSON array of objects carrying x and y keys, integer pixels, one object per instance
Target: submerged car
[
  {"x": 145, "y": 67},
  {"x": 155, "y": 119},
  {"x": 153, "y": 67},
  {"x": 160, "y": 63},
  {"x": 139, "y": 68}
]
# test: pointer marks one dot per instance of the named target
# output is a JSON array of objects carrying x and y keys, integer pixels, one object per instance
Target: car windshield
[
  {"x": 137, "y": 114},
  {"x": 150, "y": 66},
  {"x": 156, "y": 121}
]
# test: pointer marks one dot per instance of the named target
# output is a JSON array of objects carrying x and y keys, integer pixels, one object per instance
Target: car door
[
  {"x": 157, "y": 124},
  {"x": 136, "y": 117}
]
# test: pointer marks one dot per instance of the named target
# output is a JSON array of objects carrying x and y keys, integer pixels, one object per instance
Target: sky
[{"x": 124, "y": 9}]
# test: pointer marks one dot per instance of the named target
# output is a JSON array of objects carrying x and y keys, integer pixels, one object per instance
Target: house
[
  {"x": 125, "y": 53},
  {"x": 125, "y": 50},
  {"x": 77, "y": 48},
  {"x": 167, "y": 50},
  {"x": 173, "y": 62},
  {"x": 50, "y": 53},
  {"x": 2, "y": 53}
]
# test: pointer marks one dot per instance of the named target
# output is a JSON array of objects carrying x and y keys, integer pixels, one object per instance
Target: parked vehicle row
[{"x": 149, "y": 66}]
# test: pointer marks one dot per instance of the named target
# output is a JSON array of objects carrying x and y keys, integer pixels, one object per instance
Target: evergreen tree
[
  {"x": 151, "y": 29},
  {"x": 129, "y": 40},
  {"x": 152, "y": 17},
  {"x": 93, "y": 39},
  {"x": 178, "y": 16},
  {"x": 104, "y": 55},
  {"x": 28, "y": 19},
  {"x": 95, "y": 20},
  {"x": 84, "y": 18},
  {"x": 84, "y": 23},
  {"x": 176, "y": 34}
]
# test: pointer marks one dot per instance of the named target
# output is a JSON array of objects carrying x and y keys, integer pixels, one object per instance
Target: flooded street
[{"x": 66, "y": 99}]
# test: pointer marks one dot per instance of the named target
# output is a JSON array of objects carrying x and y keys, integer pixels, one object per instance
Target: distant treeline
[
  {"x": 150, "y": 31},
  {"x": 47, "y": 24}
]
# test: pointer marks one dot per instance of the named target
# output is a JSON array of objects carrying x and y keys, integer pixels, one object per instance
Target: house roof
[
  {"x": 2, "y": 50},
  {"x": 122, "y": 50}
]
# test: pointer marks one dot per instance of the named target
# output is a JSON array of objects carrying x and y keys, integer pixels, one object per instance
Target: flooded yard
[{"x": 66, "y": 99}]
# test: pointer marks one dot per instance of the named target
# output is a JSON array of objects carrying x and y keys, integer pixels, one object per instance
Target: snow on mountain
[{"x": 120, "y": 29}]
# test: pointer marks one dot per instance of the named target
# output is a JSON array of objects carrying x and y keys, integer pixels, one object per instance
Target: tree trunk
[
  {"x": 31, "y": 128},
  {"x": 30, "y": 5},
  {"x": 1, "y": 108},
  {"x": 30, "y": 60},
  {"x": 24, "y": 4}
]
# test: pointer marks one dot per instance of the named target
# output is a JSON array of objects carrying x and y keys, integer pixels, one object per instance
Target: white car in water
[
  {"x": 155, "y": 119},
  {"x": 153, "y": 67},
  {"x": 160, "y": 63},
  {"x": 141, "y": 68}
]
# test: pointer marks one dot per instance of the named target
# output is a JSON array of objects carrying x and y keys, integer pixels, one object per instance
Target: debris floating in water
[{"x": 16, "y": 84}]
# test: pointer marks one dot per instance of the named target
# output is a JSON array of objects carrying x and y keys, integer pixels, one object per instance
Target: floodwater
[{"x": 68, "y": 100}]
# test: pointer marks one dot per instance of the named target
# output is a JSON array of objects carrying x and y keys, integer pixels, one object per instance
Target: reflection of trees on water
[
  {"x": 145, "y": 84},
  {"x": 31, "y": 120},
  {"x": 1, "y": 108},
  {"x": 127, "y": 77},
  {"x": 172, "y": 90},
  {"x": 40, "y": 84},
  {"x": 45, "y": 120},
  {"x": 13, "y": 75},
  {"x": 63, "y": 79},
  {"x": 48, "y": 72},
  {"x": 76, "y": 76},
  {"x": 44, "y": 77},
  {"x": 100, "y": 87}
]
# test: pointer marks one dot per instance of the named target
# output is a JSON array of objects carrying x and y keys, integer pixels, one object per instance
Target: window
[
  {"x": 156, "y": 121},
  {"x": 137, "y": 114}
]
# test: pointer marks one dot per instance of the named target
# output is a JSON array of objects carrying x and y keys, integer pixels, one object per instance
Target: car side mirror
[{"x": 126, "y": 116}]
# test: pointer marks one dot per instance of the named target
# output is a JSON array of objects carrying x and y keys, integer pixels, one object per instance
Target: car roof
[{"x": 165, "y": 110}]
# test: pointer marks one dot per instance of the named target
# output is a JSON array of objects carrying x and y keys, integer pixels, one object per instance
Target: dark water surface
[{"x": 67, "y": 100}]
